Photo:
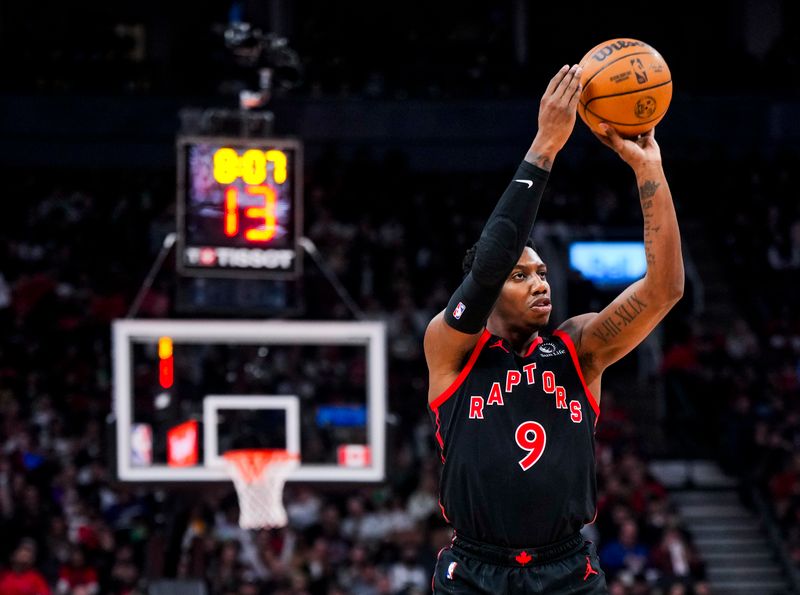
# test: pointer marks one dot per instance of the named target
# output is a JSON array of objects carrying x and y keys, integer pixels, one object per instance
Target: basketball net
[{"x": 259, "y": 476}]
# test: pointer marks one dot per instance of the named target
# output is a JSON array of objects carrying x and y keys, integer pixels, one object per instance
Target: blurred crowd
[
  {"x": 749, "y": 371},
  {"x": 66, "y": 523}
]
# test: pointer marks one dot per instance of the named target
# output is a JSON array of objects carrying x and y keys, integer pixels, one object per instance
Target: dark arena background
[{"x": 227, "y": 225}]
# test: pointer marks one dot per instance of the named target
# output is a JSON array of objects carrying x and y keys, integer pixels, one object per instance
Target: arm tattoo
[
  {"x": 646, "y": 192},
  {"x": 622, "y": 316},
  {"x": 539, "y": 160},
  {"x": 648, "y": 189},
  {"x": 649, "y": 231}
]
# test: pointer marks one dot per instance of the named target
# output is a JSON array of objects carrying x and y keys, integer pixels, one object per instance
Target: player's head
[
  {"x": 525, "y": 298},
  {"x": 469, "y": 256}
]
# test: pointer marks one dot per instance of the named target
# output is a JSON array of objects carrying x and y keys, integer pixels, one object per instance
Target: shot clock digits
[{"x": 251, "y": 168}]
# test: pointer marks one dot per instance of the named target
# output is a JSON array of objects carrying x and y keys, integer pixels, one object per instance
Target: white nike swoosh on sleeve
[{"x": 528, "y": 182}]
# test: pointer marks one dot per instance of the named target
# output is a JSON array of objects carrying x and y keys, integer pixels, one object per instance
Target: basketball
[{"x": 625, "y": 83}]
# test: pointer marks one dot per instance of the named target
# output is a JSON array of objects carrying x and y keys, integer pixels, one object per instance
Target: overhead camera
[{"x": 276, "y": 64}]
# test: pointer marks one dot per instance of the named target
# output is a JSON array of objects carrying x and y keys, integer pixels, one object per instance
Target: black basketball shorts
[{"x": 469, "y": 567}]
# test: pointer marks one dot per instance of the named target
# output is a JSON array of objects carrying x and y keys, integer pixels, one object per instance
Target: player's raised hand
[
  {"x": 635, "y": 152},
  {"x": 557, "y": 108}
]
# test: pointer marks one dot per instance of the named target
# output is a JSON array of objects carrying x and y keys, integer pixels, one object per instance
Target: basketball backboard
[{"x": 185, "y": 391}]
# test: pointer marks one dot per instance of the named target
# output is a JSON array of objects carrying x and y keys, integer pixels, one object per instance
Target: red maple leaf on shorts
[{"x": 523, "y": 558}]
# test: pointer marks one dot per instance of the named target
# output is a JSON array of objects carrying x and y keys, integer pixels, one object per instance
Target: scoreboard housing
[{"x": 239, "y": 207}]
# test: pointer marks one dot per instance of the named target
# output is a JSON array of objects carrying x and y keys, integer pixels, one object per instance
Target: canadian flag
[
  {"x": 182, "y": 450},
  {"x": 354, "y": 455}
]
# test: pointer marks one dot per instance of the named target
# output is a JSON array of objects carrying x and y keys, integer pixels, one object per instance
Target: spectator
[
  {"x": 225, "y": 571},
  {"x": 77, "y": 577},
  {"x": 625, "y": 555},
  {"x": 424, "y": 501},
  {"x": 407, "y": 574},
  {"x": 303, "y": 509},
  {"x": 125, "y": 574},
  {"x": 22, "y": 578},
  {"x": 675, "y": 558}
]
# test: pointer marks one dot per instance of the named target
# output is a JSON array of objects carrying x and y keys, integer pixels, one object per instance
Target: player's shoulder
[
  {"x": 446, "y": 347},
  {"x": 573, "y": 327}
]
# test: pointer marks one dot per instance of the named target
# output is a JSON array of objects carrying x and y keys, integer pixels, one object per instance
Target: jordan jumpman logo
[
  {"x": 589, "y": 570},
  {"x": 499, "y": 343}
]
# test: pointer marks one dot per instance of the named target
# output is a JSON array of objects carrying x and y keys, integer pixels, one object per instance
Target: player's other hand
[
  {"x": 637, "y": 152},
  {"x": 558, "y": 109}
]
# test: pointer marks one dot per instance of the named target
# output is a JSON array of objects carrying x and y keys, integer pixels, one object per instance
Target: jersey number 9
[{"x": 531, "y": 437}]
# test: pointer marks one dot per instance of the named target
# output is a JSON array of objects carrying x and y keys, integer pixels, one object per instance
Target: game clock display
[{"x": 239, "y": 209}]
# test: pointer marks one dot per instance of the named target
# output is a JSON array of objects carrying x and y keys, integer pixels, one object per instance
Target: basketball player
[{"x": 514, "y": 412}]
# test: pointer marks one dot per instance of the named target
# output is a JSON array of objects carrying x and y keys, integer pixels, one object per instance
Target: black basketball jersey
[{"x": 517, "y": 440}]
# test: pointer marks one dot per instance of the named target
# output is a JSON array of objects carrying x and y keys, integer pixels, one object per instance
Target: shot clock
[{"x": 239, "y": 209}]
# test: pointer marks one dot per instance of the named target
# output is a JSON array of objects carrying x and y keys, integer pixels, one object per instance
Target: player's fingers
[
  {"x": 602, "y": 139},
  {"x": 614, "y": 139},
  {"x": 573, "y": 101},
  {"x": 572, "y": 105},
  {"x": 565, "y": 82},
  {"x": 576, "y": 93},
  {"x": 647, "y": 139},
  {"x": 574, "y": 83},
  {"x": 553, "y": 84}
]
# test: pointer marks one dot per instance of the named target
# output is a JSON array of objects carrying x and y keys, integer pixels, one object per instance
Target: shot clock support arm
[
  {"x": 166, "y": 246},
  {"x": 330, "y": 275}
]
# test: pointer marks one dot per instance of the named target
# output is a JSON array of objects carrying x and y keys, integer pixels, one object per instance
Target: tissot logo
[
  {"x": 549, "y": 350},
  {"x": 239, "y": 258}
]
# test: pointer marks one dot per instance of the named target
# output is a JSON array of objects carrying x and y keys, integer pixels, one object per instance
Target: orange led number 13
[{"x": 265, "y": 215}]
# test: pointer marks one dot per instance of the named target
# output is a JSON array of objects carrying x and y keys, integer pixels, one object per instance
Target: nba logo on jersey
[
  {"x": 451, "y": 570},
  {"x": 459, "y": 311}
]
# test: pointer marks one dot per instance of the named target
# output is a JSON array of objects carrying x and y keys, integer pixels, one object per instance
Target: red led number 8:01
[{"x": 531, "y": 437}]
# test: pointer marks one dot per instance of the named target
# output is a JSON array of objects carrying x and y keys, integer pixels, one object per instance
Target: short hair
[{"x": 469, "y": 256}]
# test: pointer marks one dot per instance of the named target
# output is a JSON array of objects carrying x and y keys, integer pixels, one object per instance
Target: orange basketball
[{"x": 627, "y": 84}]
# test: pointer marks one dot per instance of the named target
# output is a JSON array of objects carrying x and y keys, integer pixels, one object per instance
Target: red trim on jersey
[
  {"x": 439, "y": 434},
  {"x": 444, "y": 514},
  {"x": 433, "y": 578},
  {"x": 437, "y": 402},
  {"x": 533, "y": 346},
  {"x": 571, "y": 347}
]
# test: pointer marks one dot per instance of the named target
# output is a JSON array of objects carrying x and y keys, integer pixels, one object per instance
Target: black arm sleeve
[{"x": 499, "y": 248}]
